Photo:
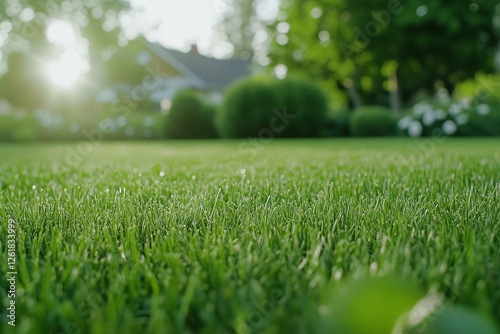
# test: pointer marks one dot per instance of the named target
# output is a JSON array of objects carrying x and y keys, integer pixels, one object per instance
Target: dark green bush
[
  {"x": 17, "y": 128},
  {"x": 245, "y": 108},
  {"x": 373, "y": 121},
  {"x": 338, "y": 124},
  {"x": 306, "y": 102},
  {"x": 190, "y": 117},
  {"x": 483, "y": 125},
  {"x": 268, "y": 107}
]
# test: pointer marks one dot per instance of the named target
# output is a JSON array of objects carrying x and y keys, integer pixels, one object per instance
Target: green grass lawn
[{"x": 224, "y": 237}]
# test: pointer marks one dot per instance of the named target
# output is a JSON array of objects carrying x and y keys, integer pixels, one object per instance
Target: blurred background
[{"x": 117, "y": 69}]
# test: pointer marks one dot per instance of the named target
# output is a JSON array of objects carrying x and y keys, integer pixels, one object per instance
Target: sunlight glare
[
  {"x": 66, "y": 71},
  {"x": 61, "y": 33}
]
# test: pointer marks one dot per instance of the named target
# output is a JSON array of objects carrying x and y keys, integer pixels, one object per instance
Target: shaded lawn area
[{"x": 231, "y": 236}]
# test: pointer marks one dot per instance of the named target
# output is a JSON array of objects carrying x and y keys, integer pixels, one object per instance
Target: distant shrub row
[
  {"x": 254, "y": 107},
  {"x": 262, "y": 107},
  {"x": 373, "y": 121}
]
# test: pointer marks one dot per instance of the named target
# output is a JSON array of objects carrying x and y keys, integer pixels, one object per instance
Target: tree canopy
[
  {"x": 91, "y": 30},
  {"x": 381, "y": 51}
]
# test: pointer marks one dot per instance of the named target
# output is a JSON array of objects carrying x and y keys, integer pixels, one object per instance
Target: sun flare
[
  {"x": 67, "y": 70},
  {"x": 61, "y": 33}
]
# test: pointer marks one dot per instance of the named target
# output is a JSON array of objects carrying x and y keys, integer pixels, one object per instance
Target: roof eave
[{"x": 166, "y": 56}]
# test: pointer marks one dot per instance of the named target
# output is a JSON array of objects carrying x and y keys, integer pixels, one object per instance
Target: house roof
[{"x": 203, "y": 72}]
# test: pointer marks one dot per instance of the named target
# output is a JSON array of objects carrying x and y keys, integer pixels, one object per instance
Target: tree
[
  {"x": 238, "y": 26},
  {"x": 381, "y": 51},
  {"x": 23, "y": 84},
  {"x": 27, "y": 49}
]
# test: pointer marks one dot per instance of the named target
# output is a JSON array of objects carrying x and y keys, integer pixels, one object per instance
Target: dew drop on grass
[{"x": 33, "y": 187}]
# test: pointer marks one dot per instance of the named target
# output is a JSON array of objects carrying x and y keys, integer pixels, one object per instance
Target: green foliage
[
  {"x": 134, "y": 125},
  {"x": 268, "y": 108},
  {"x": 46, "y": 126},
  {"x": 479, "y": 124},
  {"x": 338, "y": 124},
  {"x": 372, "y": 121},
  {"x": 22, "y": 127},
  {"x": 26, "y": 50},
  {"x": 459, "y": 320},
  {"x": 363, "y": 45},
  {"x": 305, "y": 103},
  {"x": 476, "y": 116},
  {"x": 380, "y": 302},
  {"x": 25, "y": 84},
  {"x": 247, "y": 108},
  {"x": 482, "y": 86},
  {"x": 484, "y": 116},
  {"x": 190, "y": 117},
  {"x": 238, "y": 25}
]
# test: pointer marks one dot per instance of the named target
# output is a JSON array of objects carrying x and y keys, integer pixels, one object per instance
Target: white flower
[
  {"x": 428, "y": 118},
  {"x": 443, "y": 95},
  {"x": 46, "y": 120},
  {"x": 107, "y": 125},
  {"x": 121, "y": 121},
  {"x": 449, "y": 127},
  {"x": 129, "y": 131},
  {"x": 465, "y": 103},
  {"x": 148, "y": 121},
  {"x": 420, "y": 108},
  {"x": 74, "y": 127},
  {"x": 439, "y": 114},
  {"x": 57, "y": 119},
  {"x": 455, "y": 109},
  {"x": 404, "y": 122},
  {"x": 462, "y": 119},
  {"x": 483, "y": 109},
  {"x": 415, "y": 129}
]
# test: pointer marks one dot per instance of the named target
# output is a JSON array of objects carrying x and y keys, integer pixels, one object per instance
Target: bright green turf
[{"x": 113, "y": 247}]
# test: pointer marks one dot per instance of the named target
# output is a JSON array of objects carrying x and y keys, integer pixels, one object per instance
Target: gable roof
[{"x": 203, "y": 72}]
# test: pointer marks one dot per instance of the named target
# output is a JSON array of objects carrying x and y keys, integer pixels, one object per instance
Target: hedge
[
  {"x": 268, "y": 107},
  {"x": 373, "y": 121},
  {"x": 190, "y": 117}
]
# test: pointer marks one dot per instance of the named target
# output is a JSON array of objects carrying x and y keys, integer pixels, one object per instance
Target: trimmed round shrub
[
  {"x": 305, "y": 103},
  {"x": 373, "y": 121},
  {"x": 246, "y": 109},
  {"x": 190, "y": 117},
  {"x": 267, "y": 108}
]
